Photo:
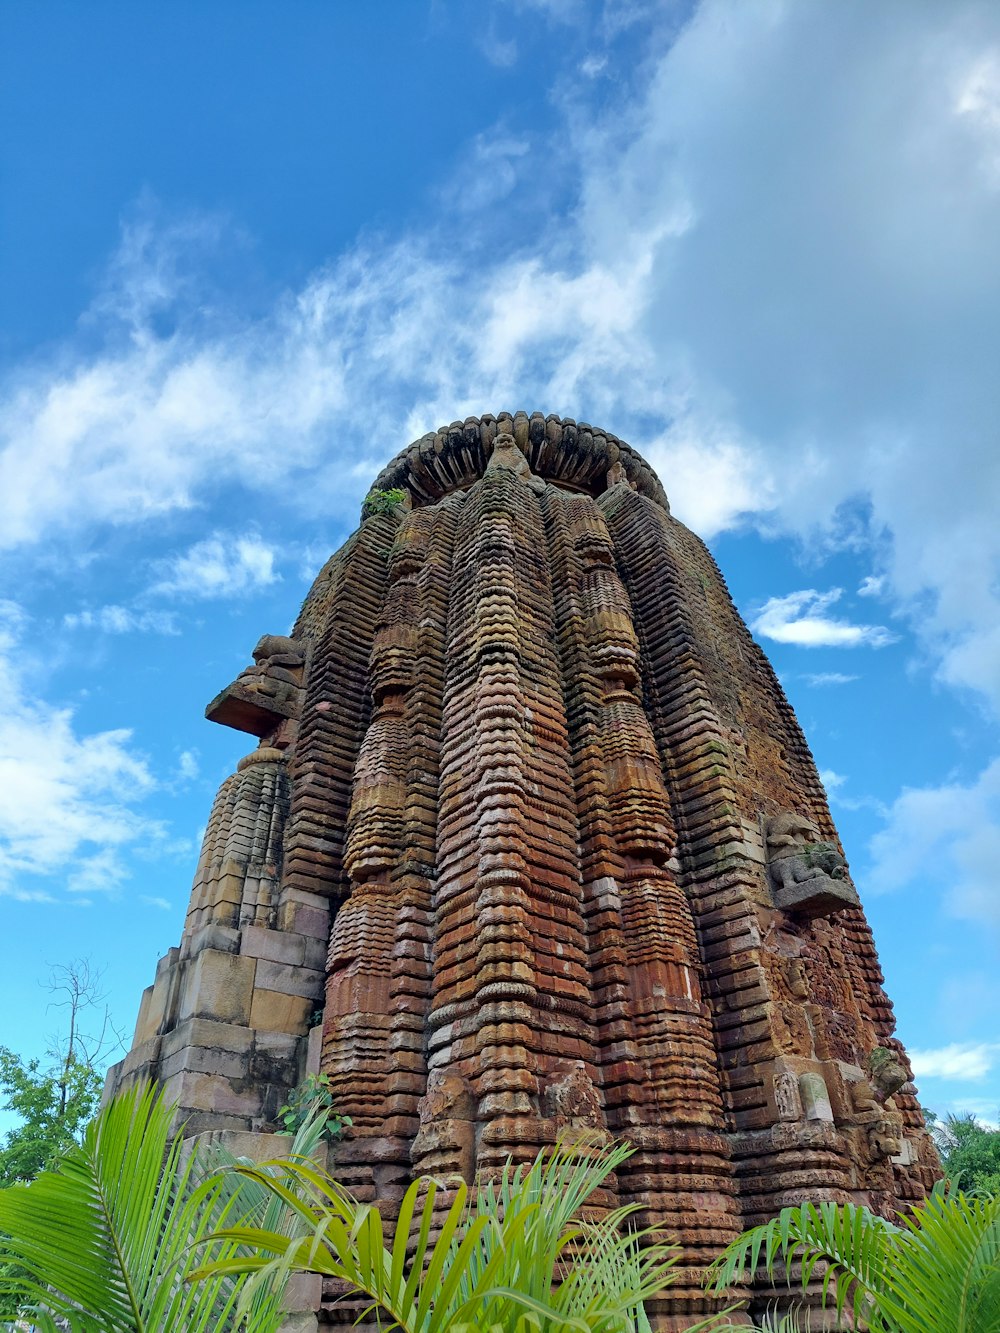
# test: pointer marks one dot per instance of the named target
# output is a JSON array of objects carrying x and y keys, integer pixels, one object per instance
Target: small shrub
[
  {"x": 311, "y": 1095},
  {"x": 382, "y": 502}
]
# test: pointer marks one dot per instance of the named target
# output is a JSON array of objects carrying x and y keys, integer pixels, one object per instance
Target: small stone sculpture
[
  {"x": 807, "y": 874},
  {"x": 264, "y": 694},
  {"x": 887, "y": 1072}
]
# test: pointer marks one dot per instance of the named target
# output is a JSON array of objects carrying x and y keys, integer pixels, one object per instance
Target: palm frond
[
  {"x": 856, "y": 1247},
  {"x": 104, "y": 1243},
  {"x": 515, "y": 1255},
  {"x": 946, "y": 1274}
]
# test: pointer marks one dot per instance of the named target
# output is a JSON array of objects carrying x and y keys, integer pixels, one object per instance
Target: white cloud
[
  {"x": 592, "y": 66},
  {"x": 792, "y": 313},
  {"x": 187, "y": 765},
  {"x": 823, "y": 678},
  {"x": 67, "y": 804},
  {"x": 122, "y": 620},
  {"x": 831, "y": 780},
  {"x": 714, "y": 480},
  {"x": 163, "y": 904},
  {"x": 801, "y": 618},
  {"x": 219, "y": 566},
  {"x": 979, "y": 100},
  {"x": 960, "y": 1060},
  {"x": 949, "y": 835},
  {"x": 871, "y": 586}
]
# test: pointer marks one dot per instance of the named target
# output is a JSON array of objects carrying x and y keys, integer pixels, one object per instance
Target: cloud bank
[
  {"x": 68, "y": 798},
  {"x": 779, "y": 278}
]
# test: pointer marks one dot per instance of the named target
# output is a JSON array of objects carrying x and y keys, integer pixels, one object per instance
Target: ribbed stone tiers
[{"x": 534, "y": 833}]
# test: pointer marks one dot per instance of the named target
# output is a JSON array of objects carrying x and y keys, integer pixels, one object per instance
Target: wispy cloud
[
  {"x": 219, "y": 566},
  {"x": 949, "y": 835},
  {"x": 871, "y": 586},
  {"x": 122, "y": 620},
  {"x": 801, "y": 618},
  {"x": 821, "y": 679},
  {"x": 959, "y": 1060},
  {"x": 68, "y": 806},
  {"x": 749, "y": 300}
]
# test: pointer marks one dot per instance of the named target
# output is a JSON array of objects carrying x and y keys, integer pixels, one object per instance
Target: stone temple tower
[{"x": 532, "y": 843}]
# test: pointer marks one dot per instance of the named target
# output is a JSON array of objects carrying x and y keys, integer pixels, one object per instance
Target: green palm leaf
[
  {"x": 515, "y": 1256},
  {"x": 937, "y": 1272},
  {"x": 946, "y": 1272},
  {"x": 104, "y": 1242}
]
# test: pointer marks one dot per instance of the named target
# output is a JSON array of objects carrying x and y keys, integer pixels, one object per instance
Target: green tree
[
  {"x": 514, "y": 1256},
  {"x": 937, "y": 1271},
  {"x": 970, "y": 1152},
  {"x": 56, "y": 1097},
  {"x": 54, "y": 1105}
]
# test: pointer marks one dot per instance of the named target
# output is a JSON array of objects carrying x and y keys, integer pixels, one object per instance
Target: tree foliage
[
  {"x": 53, "y": 1104},
  {"x": 970, "y": 1152},
  {"x": 55, "y": 1097}
]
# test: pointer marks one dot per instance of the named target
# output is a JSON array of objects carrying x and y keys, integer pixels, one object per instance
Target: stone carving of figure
[
  {"x": 807, "y": 874},
  {"x": 871, "y": 1103},
  {"x": 886, "y": 1071},
  {"x": 506, "y": 454},
  {"x": 572, "y": 1100},
  {"x": 885, "y": 1137},
  {"x": 277, "y": 669}
]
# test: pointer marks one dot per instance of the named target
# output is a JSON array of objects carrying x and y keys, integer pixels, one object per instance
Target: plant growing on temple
[
  {"x": 306, "y": 1101},
  {"x": 106, "y": 1242},
  {"x": 382, "y": 502},
  {"x": 516, "y": 1254},
  {"x": 936, "y": 1271}
]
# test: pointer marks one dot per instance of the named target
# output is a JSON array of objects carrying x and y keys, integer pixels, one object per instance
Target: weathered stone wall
[{"x": 533, "y": 828}]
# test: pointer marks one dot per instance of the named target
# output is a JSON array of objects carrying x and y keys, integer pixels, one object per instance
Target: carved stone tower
[{"x": 532, "y": 841}]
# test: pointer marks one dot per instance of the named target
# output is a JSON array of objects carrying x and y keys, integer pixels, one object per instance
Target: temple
[{"x": 532, "y": 844}]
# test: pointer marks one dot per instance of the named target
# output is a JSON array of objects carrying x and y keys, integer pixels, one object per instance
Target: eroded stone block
[{"x": 218, "y": 986}]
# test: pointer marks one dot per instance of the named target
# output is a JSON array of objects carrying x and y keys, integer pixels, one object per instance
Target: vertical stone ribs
[
  {"x": 240, "y": 863},
  {"x": 719, "y": 872},
  {"x": 511, "y": 1005},
  {"x": 797, "y": 1004},
  {"x": 641, "y": 931},
  {"x": 335, "y": 712},
  {"x": 378, "y": 986}
]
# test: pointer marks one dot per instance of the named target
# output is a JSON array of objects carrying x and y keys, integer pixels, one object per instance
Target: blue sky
[{"x": 248, "y": 251}]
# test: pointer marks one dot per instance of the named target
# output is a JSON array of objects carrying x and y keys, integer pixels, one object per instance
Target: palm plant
[
  {"x": 103, "y": 1243},
  {"x": 937, "y": 1271},
  {"x": 512, "y": 1256}
]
